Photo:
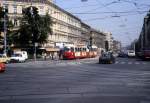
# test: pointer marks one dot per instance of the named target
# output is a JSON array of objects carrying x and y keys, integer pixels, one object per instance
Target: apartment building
[
  {"x": 98, "y": 38},
  {"x": 85, "y": 34},
  {"x": 116, "y": 46},
  {"x": 109, "y": 41},
  {"x": 66, "y": 27}
]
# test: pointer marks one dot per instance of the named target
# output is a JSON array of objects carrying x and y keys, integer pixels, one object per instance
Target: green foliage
[
  {"x": 9, "y": 27},
  {"x": 1, "y": 19},
  {"x": 33, "y": 28}
]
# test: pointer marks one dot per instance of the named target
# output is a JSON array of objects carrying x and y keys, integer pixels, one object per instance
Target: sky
[{"x": 123, "y": 18}]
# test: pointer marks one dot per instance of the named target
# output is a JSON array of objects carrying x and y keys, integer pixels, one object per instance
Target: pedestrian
[
  {"x": 52, "y": 54},
  {"x": 60, "y": 53},
  {"x": 45, "y": 56}
]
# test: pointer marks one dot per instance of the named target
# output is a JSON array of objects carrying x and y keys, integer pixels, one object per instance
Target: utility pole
[
  {"x": 5, "y": 32},
  {"x": 34, "y": 44}
]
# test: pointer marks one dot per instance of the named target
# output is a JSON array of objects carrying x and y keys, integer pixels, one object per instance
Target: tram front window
[
  {"x": 66, "y": 49},
  {"x": 69, "y": 49}
]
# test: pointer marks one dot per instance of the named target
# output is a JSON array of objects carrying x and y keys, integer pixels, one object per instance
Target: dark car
[
  {"x": 122, "y": 54},
  {"x": 107, "y": 57}
]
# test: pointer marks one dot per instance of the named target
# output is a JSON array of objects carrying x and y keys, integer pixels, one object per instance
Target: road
[{"x": 76, "y": 81}]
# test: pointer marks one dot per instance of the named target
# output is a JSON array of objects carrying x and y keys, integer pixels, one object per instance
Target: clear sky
[{"x": 124, "y": 18}]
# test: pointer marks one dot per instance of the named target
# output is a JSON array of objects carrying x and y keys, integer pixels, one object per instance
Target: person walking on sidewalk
[{"x": 45, "y": 56}]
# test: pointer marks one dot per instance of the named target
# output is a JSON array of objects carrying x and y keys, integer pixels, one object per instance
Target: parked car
[
  {"x": 4, "y": 58},
  {"x": 17, "y": 58},
  {"x": 131, "y": 53},
  {"x": 2, "y": 67},
  {"x": 107, "y": 57},
  {"x": 23, "y": 53}
]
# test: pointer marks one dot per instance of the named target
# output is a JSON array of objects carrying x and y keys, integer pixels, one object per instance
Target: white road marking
[
  {"x": 116, "y": 62},
  {"x": 129, "y": 62},
  {"x": 137, "y": 63},
  {"x": 144, "y": 63},
  {"x": 122, "y": 62},
  {"x": 144, "y": 101}
]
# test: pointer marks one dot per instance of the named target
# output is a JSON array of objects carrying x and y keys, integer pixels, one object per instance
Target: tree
[
  {"x": 34, "y": 28},
  {"x": 1, "y": 24},
  {"x": 8, "y": 28}
]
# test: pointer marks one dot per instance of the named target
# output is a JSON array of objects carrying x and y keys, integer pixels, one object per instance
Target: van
[
  {"x": 131, "y": 53},
  {"x": 23, "y": 53}
]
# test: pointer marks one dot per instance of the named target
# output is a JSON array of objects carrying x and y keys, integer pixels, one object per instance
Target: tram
[{"x": 78, "y": 52}]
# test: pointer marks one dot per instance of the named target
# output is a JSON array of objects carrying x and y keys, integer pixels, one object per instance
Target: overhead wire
[
  {"x": 83, "y": 6},
  {"x": 115, "y": 13},
  {"x": 133, "y": 3},
  {"x": 106, "y": 17},
  {"x": 103, "y": 6},
  {"x": 120, "y": 12}
]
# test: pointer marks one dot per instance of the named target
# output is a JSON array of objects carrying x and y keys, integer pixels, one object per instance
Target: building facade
[
  {"x": 108, "y": 41},
  {"x": 66, "y": 27},
  {"x": 85, "y": 33},
  {"x": 116, "y": 46},
  {"x": 98, "y": 38}
]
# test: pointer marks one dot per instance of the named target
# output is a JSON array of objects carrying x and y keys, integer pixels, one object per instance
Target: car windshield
[
  {"x": 106, "y": 55},
  {"x": 16, "y": 55},
  {"x": 1, "y": 56}
]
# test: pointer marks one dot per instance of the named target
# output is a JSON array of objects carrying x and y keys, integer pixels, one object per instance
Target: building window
[
  {"x": 6, "y": 7},
  {"x": 41, "y": 9},
  {"x": 15, "y": 22},
  {"x": 15, "y": 9}
]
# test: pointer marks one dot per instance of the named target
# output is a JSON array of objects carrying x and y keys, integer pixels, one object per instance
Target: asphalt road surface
[{"x": 76, "y": 81}]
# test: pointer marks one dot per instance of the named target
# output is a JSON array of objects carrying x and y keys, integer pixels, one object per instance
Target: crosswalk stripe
[
  {"x": 137, "y": 63},
  {"x": 129, "y": 62},
  {"x": 122, "y": 63},
  {"x": 144, "y": 102},
  {"x": 144, "y": 63},
  {"x": 116, "y": 62}
]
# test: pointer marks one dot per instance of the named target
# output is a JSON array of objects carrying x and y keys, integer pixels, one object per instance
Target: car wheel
[
  {"x": 7, "y": 62},
  {"x": 111, "y": 62}
]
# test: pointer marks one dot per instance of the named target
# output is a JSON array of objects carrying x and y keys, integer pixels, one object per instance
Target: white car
[
  {"x": 131, "y": 53},
  {"x": 23, "y": 53},
  {"x": 17, "y": 58}
]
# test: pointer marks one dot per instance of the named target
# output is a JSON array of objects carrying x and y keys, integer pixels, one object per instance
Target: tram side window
[
  {"x": 72, "y": 49},
  {"x": 84, "y": 49},
  {"x": 80, "y": 49},
  {"x": 76, "y": 49}
]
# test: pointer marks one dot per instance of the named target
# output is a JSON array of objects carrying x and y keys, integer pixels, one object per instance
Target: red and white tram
[{"x": 78, "y": 52}]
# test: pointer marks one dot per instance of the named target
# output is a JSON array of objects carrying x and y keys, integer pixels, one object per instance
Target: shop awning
[{"x": 52, "y": 49}]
